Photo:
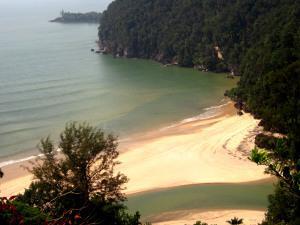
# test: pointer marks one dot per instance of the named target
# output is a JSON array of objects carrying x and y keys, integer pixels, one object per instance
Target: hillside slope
[
  {"x": 190, "y": 32},
  {"x": 249, "y": 37}
]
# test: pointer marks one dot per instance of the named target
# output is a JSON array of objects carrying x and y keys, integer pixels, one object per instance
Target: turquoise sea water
[
  {"x": 203, "y": 197},
  {"x": 49, "y": 76}
]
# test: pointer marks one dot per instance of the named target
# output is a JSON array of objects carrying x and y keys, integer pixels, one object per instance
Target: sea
[{"x": 49, "y": 77}]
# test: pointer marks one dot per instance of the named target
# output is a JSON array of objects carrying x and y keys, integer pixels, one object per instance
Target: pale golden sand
[
  {"x": 213, "y": 150},
  {"x": 211, "y": 217},
  {"x": 15, "y": 186}
]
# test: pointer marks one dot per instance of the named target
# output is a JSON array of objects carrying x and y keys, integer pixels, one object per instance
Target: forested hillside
[
  {"x": 187, "y": 31},
  {"x": 248, "y": 37},
  {"x": 257, "y": 39}
]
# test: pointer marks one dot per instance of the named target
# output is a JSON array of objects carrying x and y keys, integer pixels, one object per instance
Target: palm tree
[{"x": 235, "y": 221}]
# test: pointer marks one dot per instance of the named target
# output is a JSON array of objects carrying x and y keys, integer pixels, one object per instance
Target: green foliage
[
  {"x": 31, "y": 215},
  {"x": 282, "y": 160},
  {"x": 265, "y": 141},
  {"x": 283, "y": 206},
  {"x": 259, "y": 156},
  {"x": 259, "y": 40},
  {"x": 187, "y": 31},
  {"x": 235, "y": 221},
  {"x": 79, "y": 185},
  {"x": 169, "y": 31},
  {"x": 270, "y": 88},
  {"x": 9, "y": 214},
  {"x": 274, "y": 97},
  {"x": 16, "y": 213}
]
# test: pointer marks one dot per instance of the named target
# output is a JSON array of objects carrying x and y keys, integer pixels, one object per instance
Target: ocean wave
[
  {"x": 11, "y": 162},
  {"x": 217, "y": 106},
  {"x": 209, "y": 112},
  {"x": 14, "y": 131}
]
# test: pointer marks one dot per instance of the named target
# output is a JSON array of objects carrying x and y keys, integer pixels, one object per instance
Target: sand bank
[
  {"x": 211, "y": 217},
  {"x": 213, "y": 150}
]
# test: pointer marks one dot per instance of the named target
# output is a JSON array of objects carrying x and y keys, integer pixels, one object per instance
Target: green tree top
[{"x": 84, "y": 169}]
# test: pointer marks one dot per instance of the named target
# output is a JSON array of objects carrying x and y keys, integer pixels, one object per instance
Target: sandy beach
[
  {"x": 211, "y": 217},
  {"x": 213, "y": 150}
]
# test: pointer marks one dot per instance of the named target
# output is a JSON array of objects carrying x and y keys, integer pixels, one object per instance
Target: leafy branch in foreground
[
  {"x": 259, "y": 156},
  {"x": 279, "y": 161},
  {"x": 280, "y": 165},
  {"x": 78, "y": 185}
]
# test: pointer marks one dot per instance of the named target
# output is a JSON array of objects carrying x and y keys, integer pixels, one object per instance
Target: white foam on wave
[
  {"x": 210, "y": 112},
  {"x": 217, "y": 106},
  {"x": 11, "y": 162}
]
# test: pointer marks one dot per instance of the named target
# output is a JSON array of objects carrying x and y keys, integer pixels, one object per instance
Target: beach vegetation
[
  {"x": 259, "y": 156},
  {"x": 78, "y": 183},
  {"x": 13, "y": 212},
  {"x": 258, "y": 40},
  {"x": 235, "y": 221},
  {"x": 282, "y": 162},
  {"x": 213, "y": 35},
  {"x": 8, "y": 213}
]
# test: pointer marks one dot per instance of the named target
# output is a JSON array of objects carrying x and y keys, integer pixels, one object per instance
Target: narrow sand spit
[
  {"x": 213, "y": 150},
  {"x": 211, "y": 217}
]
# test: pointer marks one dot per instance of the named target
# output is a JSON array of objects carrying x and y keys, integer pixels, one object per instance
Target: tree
[
  {"x": 79, "y": 181},
  {"x": 281, "y": 154},
  {"x": 280, "y": 161},
  {"x": 188, "y": 30},
  {"x": 235, "y": 221}
]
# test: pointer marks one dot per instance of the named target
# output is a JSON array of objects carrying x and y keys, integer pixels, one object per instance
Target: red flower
[{"x": 77, "y": 217}]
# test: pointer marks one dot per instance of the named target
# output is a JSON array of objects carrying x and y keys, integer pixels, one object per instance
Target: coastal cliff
[
  {"x": 248, "y": 38},
  {"x": 189, "y": 33}
]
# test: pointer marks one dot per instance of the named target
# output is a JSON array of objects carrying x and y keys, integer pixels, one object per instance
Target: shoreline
[
  {"x": 218, "y": 145},
  {"x": 209, "y": 112},
  {"x": 166, "y": 204},
  {"x": 256, "y": 182},
  {"x": 17, "y": 178},
  {"x": 217, "y": 216},
  {"x": 208, "y": 117}
]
